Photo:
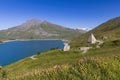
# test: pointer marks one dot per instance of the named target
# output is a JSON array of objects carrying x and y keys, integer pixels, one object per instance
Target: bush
[
  {"x": 3, "y": 74},
  {"x": 38, "y": 53},
  {"x": 113, "y": 43}
]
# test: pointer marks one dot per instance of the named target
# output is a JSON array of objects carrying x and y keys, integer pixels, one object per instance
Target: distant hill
[
  {"x": 109, "y": 30},
  {"x": 37, "y": 29}
]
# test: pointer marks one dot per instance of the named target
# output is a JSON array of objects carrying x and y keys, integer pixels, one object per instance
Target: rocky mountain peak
[
  {"x": 31, "y": 22},
  {"x": 46, "y": 22}
]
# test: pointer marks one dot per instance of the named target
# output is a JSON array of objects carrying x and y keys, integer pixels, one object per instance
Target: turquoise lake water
[{"x": 15, "y": 50}]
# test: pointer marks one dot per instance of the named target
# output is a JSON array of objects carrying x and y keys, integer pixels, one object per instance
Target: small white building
[
  {"x": 66, "y": 47},
  {"x": 92, "y": 39}
]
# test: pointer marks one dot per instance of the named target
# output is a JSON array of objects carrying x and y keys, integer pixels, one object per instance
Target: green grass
[
  {"x": 109, "y": 29},
  {"x": 43, "y": 61},
  {"x": 85, "y": 69},
  {"x": 97, "y": 64},
  {"x": 53, "y": 64}
]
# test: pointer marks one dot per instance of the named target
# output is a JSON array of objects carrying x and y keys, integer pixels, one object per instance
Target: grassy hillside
[
  {"x": 84, "y": 69},
  {"x": 43, "y": 61},
  {"x": 63, "y": 33},
  {"x": 109, "y": 29},
  {"x": 97, "y": 64}
]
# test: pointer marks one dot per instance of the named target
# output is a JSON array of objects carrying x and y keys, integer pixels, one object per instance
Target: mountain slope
[
  {"x": 37, "y": 29},
  {"x": 97, "y": 64},
  {"x": 108, "y": 30}
]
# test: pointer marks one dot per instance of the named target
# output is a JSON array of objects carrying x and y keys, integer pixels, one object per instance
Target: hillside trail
[{"x": 33, "y": 57}]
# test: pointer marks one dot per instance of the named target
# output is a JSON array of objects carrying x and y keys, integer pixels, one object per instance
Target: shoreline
[{"x": 32, "y": 39}]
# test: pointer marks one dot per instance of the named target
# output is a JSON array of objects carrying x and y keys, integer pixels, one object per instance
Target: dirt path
[
  {"x": 33, "y": 57},
  {"x": 84, "y": 49}
]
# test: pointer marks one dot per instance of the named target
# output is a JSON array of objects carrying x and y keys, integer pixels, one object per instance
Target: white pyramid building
[
  {"x": 92, "y": 39},
  {"x": 66, "y": 47}
]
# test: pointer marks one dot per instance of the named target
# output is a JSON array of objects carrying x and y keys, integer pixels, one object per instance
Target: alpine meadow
[{"x": 60, "y": 40}]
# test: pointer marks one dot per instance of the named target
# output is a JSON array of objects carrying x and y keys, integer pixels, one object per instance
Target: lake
[{"x": 15, "y": 50}]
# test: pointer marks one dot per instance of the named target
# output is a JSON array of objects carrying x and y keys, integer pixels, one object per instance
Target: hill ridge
[
  {"x": 38, "y": 29},
  {"x": 109, "y": 29}
]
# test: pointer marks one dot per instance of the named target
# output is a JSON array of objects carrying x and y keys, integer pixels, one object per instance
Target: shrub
[{"x": 38, "y": 53}]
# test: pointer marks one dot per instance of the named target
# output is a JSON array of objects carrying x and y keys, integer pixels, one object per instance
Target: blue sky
[{"x": 69, "y": 13}]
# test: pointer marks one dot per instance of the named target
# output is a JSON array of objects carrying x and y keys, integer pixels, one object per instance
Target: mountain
[
  {"x": 66, "y": 65},
  {"x": 109, "y": 30},
  {"x": 84, "y": 29},
  {"x": 37, "y": 29},
  {"x": 96, "y": 64}
]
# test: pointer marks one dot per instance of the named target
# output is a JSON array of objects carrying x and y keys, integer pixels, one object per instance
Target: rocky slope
[{"x": 37, "y": 29}]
